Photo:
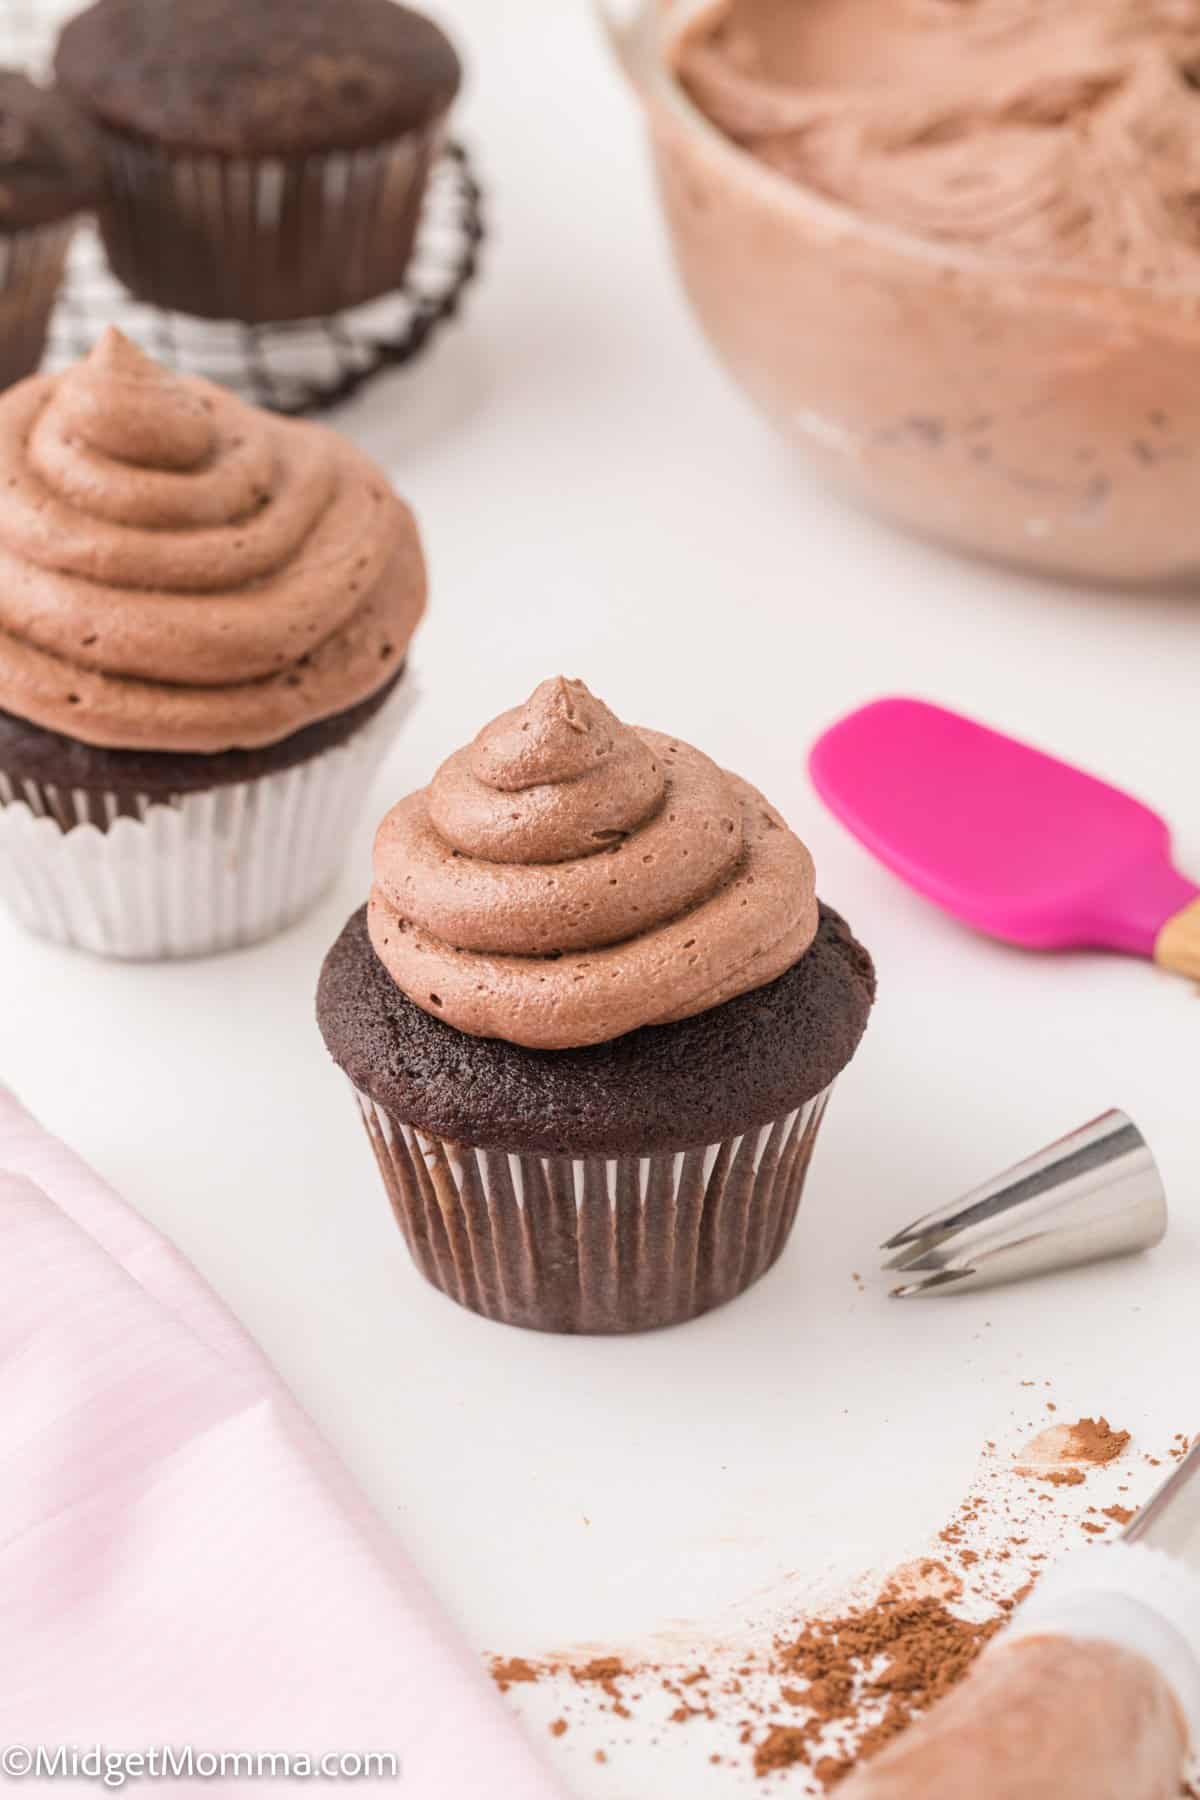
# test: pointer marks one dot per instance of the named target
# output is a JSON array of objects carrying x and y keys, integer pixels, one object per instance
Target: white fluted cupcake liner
[
  {"x": 203, "y": 872},
  {"x": 595, "y": 1244}
]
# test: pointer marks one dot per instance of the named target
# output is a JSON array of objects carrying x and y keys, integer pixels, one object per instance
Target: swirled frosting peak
[
  {"x": 181, "y": 571},
  {"x": 122, "y": 404},
  {"x": 566, "y": 878}
]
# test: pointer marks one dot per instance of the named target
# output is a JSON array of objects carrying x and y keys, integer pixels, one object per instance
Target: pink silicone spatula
[{"x": 1010, "y": 840}]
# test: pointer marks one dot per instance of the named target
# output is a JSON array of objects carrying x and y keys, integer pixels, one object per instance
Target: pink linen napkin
[{"x": 183, "y": 1560}]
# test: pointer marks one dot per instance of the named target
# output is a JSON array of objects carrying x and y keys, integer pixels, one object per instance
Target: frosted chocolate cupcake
[
  {"x": 265, "y": 161},
  {"x": 204, "y": 616},
  {"x": 49, "y": 176},
  {"x": 592, "y": 1013}
]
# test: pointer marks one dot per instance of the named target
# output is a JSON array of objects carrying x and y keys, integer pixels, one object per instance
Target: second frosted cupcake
[
  {"x": 592, "y": 1014},
  {"x": 205, "y": 613}
]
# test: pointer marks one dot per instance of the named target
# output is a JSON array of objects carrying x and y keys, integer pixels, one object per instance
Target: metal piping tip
[
  {"x": 920, "y": 1254},
  {"x": 933, "y": 1284},
  {"x": 1091, "y": 1195},
  {"x": 916, "y": 1233}
]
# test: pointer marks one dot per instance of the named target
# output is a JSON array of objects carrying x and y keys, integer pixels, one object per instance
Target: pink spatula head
[{"x": 1014, "y": 842}]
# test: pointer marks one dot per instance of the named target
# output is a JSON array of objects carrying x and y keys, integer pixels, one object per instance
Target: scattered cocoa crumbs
[
  {"x": 902, "y": 1652},
  {"x": 604, "y": 1669},
  {"x": 507, "y": 1669},
  {"x": 1062, "y": 1454},
  {"x": 783, "y": 1747},
  {"x": 823, "y": 1694},
  {"x": 605, "y": 1672},
  {"x": 1095, "y": 1441}
]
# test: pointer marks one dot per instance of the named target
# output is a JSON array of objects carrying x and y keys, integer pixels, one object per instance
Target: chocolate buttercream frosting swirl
[
  {"x": 1046, "y": 131},
  {"x": 181, "y": 571},
  {"x": 565, "y": 879}
]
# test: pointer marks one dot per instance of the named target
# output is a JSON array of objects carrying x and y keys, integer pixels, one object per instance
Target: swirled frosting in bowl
[
  {"x": 565, "y": 879},
  {"x": 181, "y": 571},
  {"x": 1048, "y": 131}
]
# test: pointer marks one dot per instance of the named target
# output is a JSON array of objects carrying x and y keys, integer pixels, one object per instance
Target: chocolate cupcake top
[
  {"x": 667, "y": 1087},
  {"x": 182, "y": 571},
  {"x": 49, "y": 160},
  {"x": 265, "y": 78},
  {"x": 566, "y": 879}
]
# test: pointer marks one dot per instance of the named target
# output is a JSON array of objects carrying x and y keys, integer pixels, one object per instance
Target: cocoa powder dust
[
  {"x": 823, "y": 1694},
  {"x": 1062, "y": 1455},
  {"x": 901, "y": 1653}
]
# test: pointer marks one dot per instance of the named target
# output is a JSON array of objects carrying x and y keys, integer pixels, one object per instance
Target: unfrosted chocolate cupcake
[
  {"x": 205, "y": 613},
  {"x": 49, "y": 175},
  {"x": 592, "y": 1013},
  {"x": 267, "y": 161}
]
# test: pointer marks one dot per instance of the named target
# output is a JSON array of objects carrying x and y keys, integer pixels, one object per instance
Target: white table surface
[{"x": 596, "y": 500}]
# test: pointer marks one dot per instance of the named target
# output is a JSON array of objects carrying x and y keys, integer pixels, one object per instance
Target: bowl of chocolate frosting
[{"x": 951, "y": 249}]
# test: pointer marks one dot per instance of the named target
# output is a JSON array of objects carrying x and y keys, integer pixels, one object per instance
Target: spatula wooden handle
[
  {"x": 1047, "y": 1718},
  {"x": 1178, "y": 944}
]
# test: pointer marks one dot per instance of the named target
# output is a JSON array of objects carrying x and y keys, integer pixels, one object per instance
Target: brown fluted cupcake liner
[
  {"x": 31, "y": 268},
  {"x": 264, "y": 239},
  {"x": 595, "y": 1244}
]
